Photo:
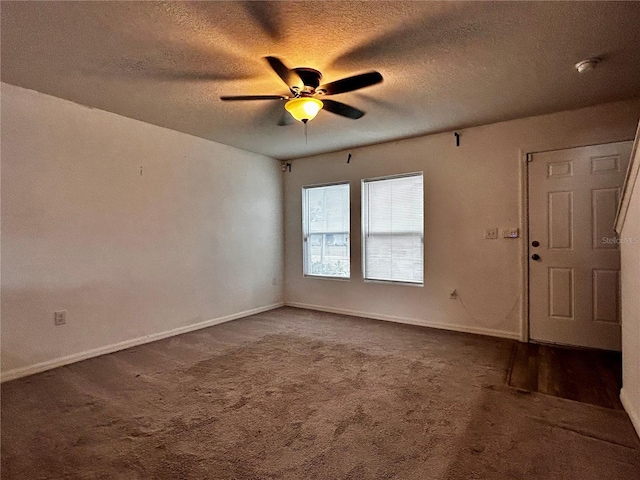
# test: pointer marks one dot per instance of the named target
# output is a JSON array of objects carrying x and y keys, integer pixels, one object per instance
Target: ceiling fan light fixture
[{"x": 303, "y": 109}]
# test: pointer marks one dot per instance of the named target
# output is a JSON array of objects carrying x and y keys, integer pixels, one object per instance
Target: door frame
[
  {"x": 525, "y": 159},
  {"x": 524, "y": 250}
]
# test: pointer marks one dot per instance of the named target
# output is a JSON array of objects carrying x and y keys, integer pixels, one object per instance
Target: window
[
  {"x": 393, "y": 228},
  {"x": 325, "y": 227}
]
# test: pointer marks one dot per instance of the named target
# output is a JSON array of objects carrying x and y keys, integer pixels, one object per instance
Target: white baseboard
[
  {"x": 76, "y": 357},
  {"x": 634, "y": 415},
  {"x": 410, "y": 321}
]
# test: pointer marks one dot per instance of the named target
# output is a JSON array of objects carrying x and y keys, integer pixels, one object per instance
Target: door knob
[{"x": 535, "y": 256}]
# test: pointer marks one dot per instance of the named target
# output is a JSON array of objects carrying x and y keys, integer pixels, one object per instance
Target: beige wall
[
  {"x": 196, "y": 237},
  {"x": 467, "y": 189},
  {"x": 630, "y": 251}
]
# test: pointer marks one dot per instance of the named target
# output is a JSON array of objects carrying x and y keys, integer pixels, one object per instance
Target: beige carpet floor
[{"x": 295, "y": 394}]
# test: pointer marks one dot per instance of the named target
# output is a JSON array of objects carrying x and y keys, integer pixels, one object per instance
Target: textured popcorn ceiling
[{"x": 446, "y": 65}]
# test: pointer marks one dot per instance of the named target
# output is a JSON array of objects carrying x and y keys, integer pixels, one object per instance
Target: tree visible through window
[{"x": 325, "y": 224}]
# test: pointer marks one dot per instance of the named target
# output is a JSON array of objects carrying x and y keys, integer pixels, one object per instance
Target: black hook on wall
[
  {"x": 349, "y": 158},
  {"x": 457, "y": 138}
]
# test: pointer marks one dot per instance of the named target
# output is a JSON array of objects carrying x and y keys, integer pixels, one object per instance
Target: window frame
[
  {"x": 305, "y": 233},
  {"x": 363, "y": 228}
]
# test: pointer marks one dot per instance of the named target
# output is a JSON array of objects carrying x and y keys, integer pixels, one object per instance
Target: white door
[{"x": 574, "y": 256}]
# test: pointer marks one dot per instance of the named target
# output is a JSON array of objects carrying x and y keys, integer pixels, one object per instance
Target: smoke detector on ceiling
[{"x": 586, "y": 65}]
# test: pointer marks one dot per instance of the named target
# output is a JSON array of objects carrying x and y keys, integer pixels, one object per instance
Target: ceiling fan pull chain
[{"x": 306, "y": 137}]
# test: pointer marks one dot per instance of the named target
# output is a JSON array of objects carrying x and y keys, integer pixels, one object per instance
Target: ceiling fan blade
[
  {"x": 288, "y": 76},
  {"x": 228, "y": 98},
  {"x": 342, "y": 109},
  {"x": 350, "y": 84}
]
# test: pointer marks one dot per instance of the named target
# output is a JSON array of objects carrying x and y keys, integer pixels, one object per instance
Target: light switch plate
[
  {"x": 491, "y": 233},
  {"x": 511, "y": 232}
]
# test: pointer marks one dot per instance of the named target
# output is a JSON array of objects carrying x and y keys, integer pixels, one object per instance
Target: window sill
[
  {"x": 323, "y": 277},
  {"x": 392, "y": 282}
]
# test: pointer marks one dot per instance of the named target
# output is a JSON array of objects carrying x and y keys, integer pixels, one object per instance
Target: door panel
[
  {"x": 560, "y": 220},
  {"x": 574, "y": 279},
  {"x": 606, "y": 286},
  {"x": 561, "y": 293},
  {"x": 604, "y": 203}
]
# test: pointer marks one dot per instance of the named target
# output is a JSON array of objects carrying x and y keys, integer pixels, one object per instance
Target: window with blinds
[
  {"x": 325, "y": 226},
  {"x": 393, "y": 229}
]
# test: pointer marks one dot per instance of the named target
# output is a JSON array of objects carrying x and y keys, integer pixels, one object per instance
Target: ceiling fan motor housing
[{"x": 310, "y": 77}]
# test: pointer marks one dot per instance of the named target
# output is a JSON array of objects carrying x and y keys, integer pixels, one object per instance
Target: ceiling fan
[{"x": 304, "y": 84}]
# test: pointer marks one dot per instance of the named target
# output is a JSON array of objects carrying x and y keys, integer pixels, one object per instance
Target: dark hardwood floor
[{"x": 588, "y": 376}]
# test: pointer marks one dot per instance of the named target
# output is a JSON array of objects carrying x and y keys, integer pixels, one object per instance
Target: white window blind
[
  {"x": 393, "y": 229},
  {"x": 325, "y": 225}
]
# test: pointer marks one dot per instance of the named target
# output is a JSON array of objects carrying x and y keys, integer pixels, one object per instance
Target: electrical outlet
[
  {"x": 60, "y": 318},
  {"x": 274, "y": 281},
  {"x": 491, "y": 233},
  {"x": 453, "y": 294}
]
